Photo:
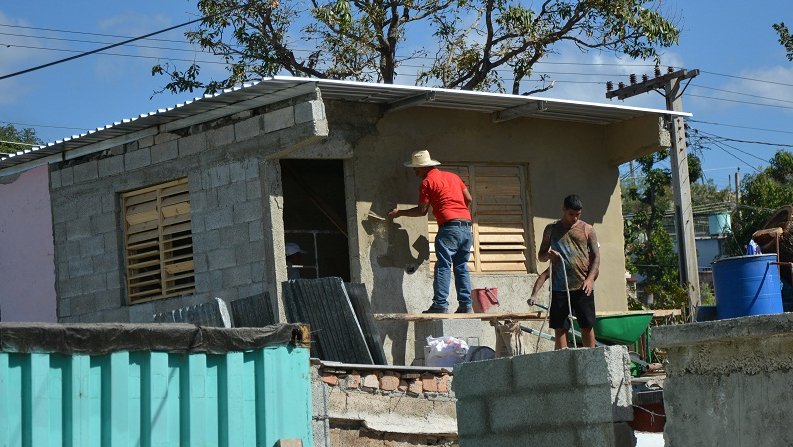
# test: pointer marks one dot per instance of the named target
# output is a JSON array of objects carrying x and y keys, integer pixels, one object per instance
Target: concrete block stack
[{"x": 571, "y": 397}]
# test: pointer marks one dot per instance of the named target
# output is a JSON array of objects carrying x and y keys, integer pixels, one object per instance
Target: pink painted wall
[{"x": 27, "y": 268}]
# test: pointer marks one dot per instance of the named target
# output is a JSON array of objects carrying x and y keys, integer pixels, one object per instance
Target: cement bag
[
  {"x": 509, "y": 339},
  {"x": 445, "y": 351}
]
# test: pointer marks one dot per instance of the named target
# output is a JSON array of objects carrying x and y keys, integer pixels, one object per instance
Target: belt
[{"x": 457, "y": 223}]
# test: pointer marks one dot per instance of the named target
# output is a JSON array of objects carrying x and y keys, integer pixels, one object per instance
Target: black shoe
[
  {"x": 435, "y": 310},
  {"x": 464, "y": 310}
]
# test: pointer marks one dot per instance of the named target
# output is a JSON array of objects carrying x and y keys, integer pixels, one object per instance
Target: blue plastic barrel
[{"x": 747, "y": 285}]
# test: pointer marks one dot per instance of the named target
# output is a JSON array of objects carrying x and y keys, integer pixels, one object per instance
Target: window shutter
[{"x": 158, "y": 241}]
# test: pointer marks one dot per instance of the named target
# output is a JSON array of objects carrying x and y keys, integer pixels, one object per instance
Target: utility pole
[
  {"x": 738, "y": 186},
  {"x": 669, "y": 83}
]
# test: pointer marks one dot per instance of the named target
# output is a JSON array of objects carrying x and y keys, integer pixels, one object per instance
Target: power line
[
  {"x": 43, "y": 125},
  {"x": 83, "y": 33},
  {"x": 136, "y": 56},
  {"x": 740, "y": 102},
  {"x": 747, "y": 78},
  {"x": 739, "y": 93},
  {"x": 740, "y": 127},
  {"x": 19, "y": 143}
]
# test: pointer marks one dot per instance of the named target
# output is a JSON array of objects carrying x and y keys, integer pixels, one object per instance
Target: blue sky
[{"x": 746, "y": 82}]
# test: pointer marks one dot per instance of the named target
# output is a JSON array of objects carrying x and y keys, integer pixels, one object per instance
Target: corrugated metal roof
[{"x": 275, "y": 89}]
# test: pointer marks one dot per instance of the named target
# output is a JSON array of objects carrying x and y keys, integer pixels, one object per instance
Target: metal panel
[
  {"x": 275, "y": 89},
  {"x": 323, "y": 304},
  {"x": 254, "y": 311},
  {"x": 359, "y": 298},
  {"x": 149, "y": 398}
]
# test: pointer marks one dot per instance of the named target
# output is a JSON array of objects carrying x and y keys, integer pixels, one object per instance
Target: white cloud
[{"x": 16, "y": 55}]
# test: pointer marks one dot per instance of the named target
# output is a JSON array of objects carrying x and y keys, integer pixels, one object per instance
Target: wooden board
[{"x": 526, "y": 316}]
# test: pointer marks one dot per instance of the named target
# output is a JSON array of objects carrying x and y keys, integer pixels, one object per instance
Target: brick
[
  {"x": 279, "y": 119},
  {"x": 389, "y": 383},
  {"x": 403, "y": 385},
  {"x": 472, "y": 417},
  {"x": 111, "y": 166},
  {"x": 330, "y": 379},
  {"x": 164, "y": 152},
  {"x": 544, "y": 369},
  {"x": 415, "y": 387},
  {"x": 443, "y": 384},
  {"x": 138, "y": 159},
  {"x": 250, "y": 128},
  {"x": 192, "y": 144},
  {"x": 353, "y": 380},
  {"x": 428, "y": 383},
  {"x": 371, "y": 381},
  {"x": 483, "y": 378},
  {"x": 85, "y": 172}
]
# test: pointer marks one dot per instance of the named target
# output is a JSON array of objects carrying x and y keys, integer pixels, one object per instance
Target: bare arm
[
  {"x": 594, "y": 263},
  {"x": 545, "y": 253},
  {"x": 467, "y": 197},
  {"x": 417, "y": 211},
  {"x": 538, "y": 283}
]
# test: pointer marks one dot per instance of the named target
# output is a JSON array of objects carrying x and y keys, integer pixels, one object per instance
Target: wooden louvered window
[
  {"x": 500, "y": 216},
  {"x": 158, "y": 242}
]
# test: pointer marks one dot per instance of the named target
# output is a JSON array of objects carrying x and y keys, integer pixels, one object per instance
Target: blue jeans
[{"x": 452, "y": 248}]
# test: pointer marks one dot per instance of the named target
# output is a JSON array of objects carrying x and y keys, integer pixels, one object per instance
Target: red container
[
  {"x": 485, "y": 300},
  {"x": 648, "y": 417}
]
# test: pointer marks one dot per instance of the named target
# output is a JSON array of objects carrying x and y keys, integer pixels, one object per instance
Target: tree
[
  {"x": 649, "y": 246},
  {"x": 785, "y": 38},
  {"x": 480, "y": 43},
  {"x": 761, "y": 195},
  {"x": 10, "y": 138}
]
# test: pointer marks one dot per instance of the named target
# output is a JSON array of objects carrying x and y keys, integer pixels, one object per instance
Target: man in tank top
[{"x": 571, "y": 245}]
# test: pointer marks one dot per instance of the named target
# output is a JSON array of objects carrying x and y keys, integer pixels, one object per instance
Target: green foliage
[
  {"x": 761, "y": 195},
  {"x": 649, "y": 247},
  {"x": 785, "y": 38},
  {"x": 11, "y": 133},
  {"x": 480, "y": 43}
]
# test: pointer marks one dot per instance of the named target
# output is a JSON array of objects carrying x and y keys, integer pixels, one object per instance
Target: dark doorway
[{"x": 315, "y": 217}]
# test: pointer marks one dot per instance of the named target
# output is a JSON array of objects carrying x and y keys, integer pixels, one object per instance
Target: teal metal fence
[{"x": 252, "y": 397}]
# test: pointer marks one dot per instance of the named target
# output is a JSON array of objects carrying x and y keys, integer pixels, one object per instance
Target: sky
[{"x": 744, "y": 91}]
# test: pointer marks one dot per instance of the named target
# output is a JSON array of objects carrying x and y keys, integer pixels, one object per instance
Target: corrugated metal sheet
[
  {"x": 271, "y": 90},
  {"x": 145, "y": 398},
  {"x": 214, "y": 313},
  {"x": 254, "y": 311},
  {"x": 324, "y": 305},
  {"x": 359, "y": 298}
]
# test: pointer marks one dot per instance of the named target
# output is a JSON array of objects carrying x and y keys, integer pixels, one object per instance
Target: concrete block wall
[
  {"x": 572, "y": 397},
  {"x": 729, "y": 382},
  {"x": 221, "y": 160}
]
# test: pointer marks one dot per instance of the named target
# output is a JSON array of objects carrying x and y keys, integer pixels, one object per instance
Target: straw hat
[{"x": 421, "y": 159}]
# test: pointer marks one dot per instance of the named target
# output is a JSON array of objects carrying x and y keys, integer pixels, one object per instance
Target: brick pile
[{"x": 430, "y": 385}]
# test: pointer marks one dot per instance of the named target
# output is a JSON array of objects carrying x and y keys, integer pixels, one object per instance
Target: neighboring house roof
[{"x": 271, "y": 90}]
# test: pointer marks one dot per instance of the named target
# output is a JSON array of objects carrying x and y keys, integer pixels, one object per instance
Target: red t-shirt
[{"x": 444, "y": 192}]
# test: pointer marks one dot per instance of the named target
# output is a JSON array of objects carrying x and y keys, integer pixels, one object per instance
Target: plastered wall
[{"x": 27, "y": 288}]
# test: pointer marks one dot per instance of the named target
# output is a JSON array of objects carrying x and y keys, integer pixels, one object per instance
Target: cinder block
[
  {"x": 109, "y": 202},
  {"x": 141, "y": 313},
  {"x": 201, "y": 282},
  {"x": 78, "y": 228},
  {"x": 246, "y": 290},
  {"x": 198, "y": 201},
  {"x": 91, "y": 246},
  {"x": 63, "y": 211},
  {"x": 257, "y": 271},
  {"x": 67, "y": 176},
  {"x": 165, "y": 137},
  {"x": 606, "y": 435},
  {"x": 309, "y": 111},
  {"x": 247, "y": 211},
  {"x": 279, "y": 119},
  {"x": 234, "y": 235},
  {"x": 221, "y": 136},
  {"x": 64, "y": 307},
  {"x": 485, "y": 378},
  {"x": 192, "y": 144},
  {"x": 237, "y": 171},
  {"x": 103, "y": 223},
  {"x": 113, "y": 279},
  {"x": 250, "y": 128},
  {"x": 231, "y": 194},
  {"x": 544, "y": 369},
  {"x": 85, "y": 172},
  {"x": 104, "y": 262},
  {"x": 93, "y": 283},
  {"x": 253, "y": 189},
  {"x": 111, "y": 166},
  {"x": 164, "y": 152},
  {"x": 236, "y": 276},
  {"x": 249, "y": 252},
  {"x": 206, "y": 241},
  {"x": 55, "y": 179},
  {"x": 221, "y": 258},
  {"x": 59, "y": 231},
  {"x": 137, "y": 159},
  {"x": 215, "y": 176},
  {"x": 605, "y": 364},
  {"x": 255, "y": 231},
  {"x": 146, "y": 141},
  {"x": 473, "y": 417},
  {"x": 219, "y": 218},
  {"x": 112, "y": 241},
  {"x": 595, "y": 405}
]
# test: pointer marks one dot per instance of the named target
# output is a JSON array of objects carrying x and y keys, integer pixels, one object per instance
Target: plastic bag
[{"x": 445, "y": 351}]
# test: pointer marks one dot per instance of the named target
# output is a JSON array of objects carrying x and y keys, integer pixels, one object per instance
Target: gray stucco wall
[
  {"x": 225, "y": 161},
  {"x": 729, "y": 382}
]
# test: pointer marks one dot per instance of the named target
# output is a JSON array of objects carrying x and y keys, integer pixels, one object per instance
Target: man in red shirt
[{"x": 449, "y": 198}]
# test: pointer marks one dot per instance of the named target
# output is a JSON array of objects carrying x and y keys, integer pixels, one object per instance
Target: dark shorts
[{"x": 583, "y": 309}]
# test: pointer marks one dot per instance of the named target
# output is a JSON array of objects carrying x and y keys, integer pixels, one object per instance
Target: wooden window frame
[
  {"x": 158, "y": 242},
  {"x": 497, "y": 208}
]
